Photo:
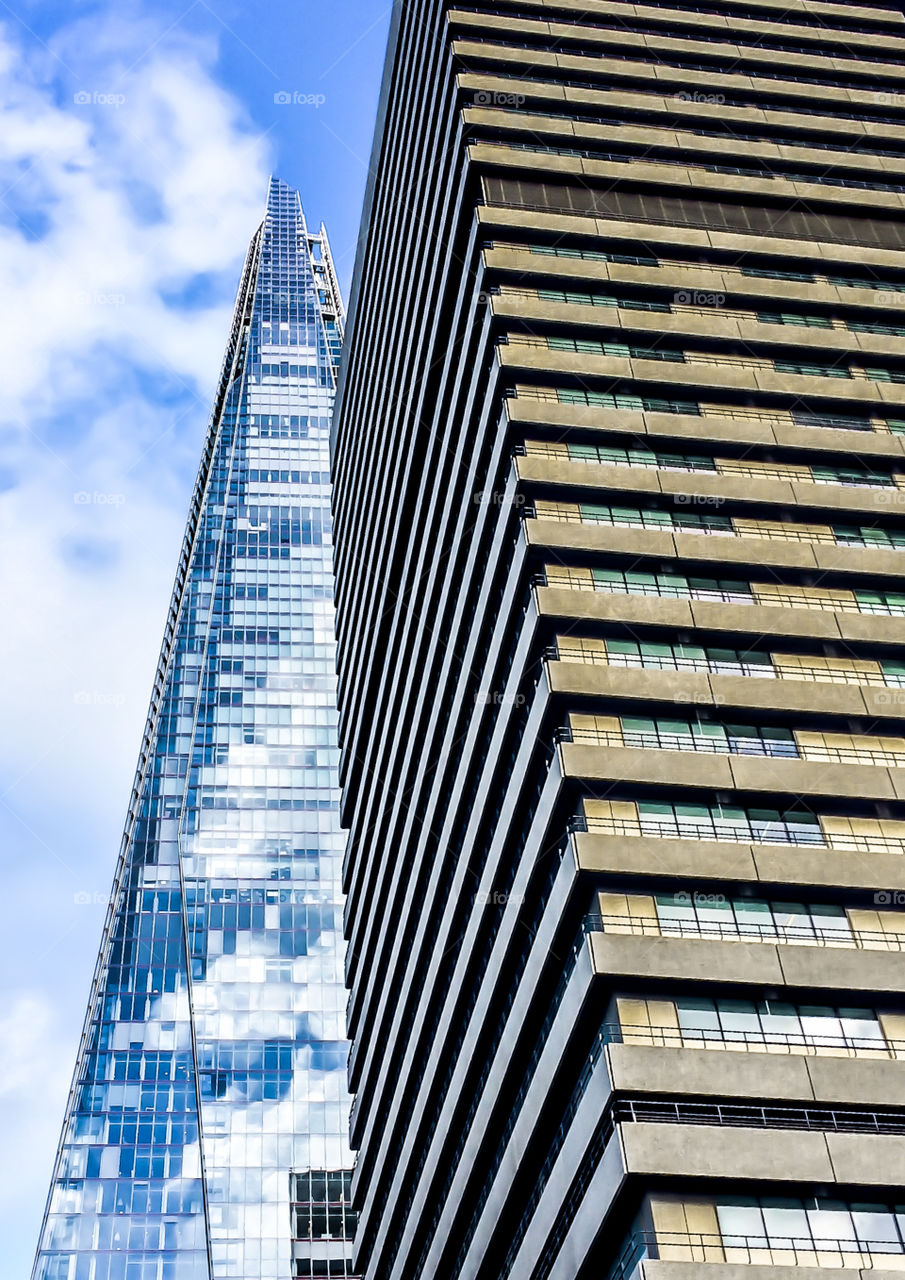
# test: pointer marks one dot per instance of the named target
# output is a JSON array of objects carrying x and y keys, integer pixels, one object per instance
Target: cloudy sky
[{"x": 135, "y": 144}]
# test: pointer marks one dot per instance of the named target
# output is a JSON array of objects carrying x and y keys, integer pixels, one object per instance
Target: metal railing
[
  {"x": 774, "y": 670},
  {"x": 756, "y": 1040},
  {"x": 828, "y": 602},
  {"x": 736, "y": 833},
  {"x": 688, "y": 829},
  {"x": 694, "y": 1246},
  {"x": 726, "y": 269},
  {"x": 835, "y": 422},
  {"x": 772, "y": 533},
  {"x": 720, "y": 467},
  {"x": 769, "y": 747},
  {"x": 786, "y": 599},
  {"x": 737, "y": 931},
  {"x": 764, "y": 172}
]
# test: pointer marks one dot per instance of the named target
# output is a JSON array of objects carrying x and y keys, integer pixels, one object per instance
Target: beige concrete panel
[
  {"x": 861, "y": 559},
  {"x": 598, "y": 680},
  {"x": 638, "y": 764},
  {"x": 561, "y": 602},
  {"x": 898, "y": 782},
  {"x": 643, "y": 1069},
  {"x": 872, "y": 627},
  {"x": 522, "y": 409},
  {"x": 855, "y": 443},
  {"x": 590, "y": 475},
  {"x": 715, "y": 1152},
  {"x": 863, "y": 1158},
  {"x": 846, "y": 968},
  {"x": 660, "y": 1270},
  {"x": 862, "y": 1081},
  {"x": 743, "y": 488},
  {"x": 834, "y": 255},
  {"x": 810, "y": 777},
  {"x": 819, "y": 866},
  {"x": 688, "y": 959},
  {"x": 710, "y": 428},
  {"x": 829, "y": 388},
  {"x": 787, "y": 694},
  {"x": 884, "y": 702},
  {"x": 642, "y": 855},
  {"x": 863, "y": 501},
  {"x": 584, "y": 535},
  {"x": 764, "y": 620},
  {"x": 747, "y": 551}
]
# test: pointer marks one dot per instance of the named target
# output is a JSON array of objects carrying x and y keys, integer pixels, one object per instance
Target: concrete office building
[{"x": 620, "y": 520}]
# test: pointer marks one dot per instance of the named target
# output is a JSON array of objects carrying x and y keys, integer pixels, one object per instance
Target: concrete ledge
[
  {"x": 657, "y": 1269},
  {"x": 715, "y": 1073},
  {"x": 711, "y": 1151},
  {"x": 728, "y": 773},
  {"x": 727, "y": 861},
  {"x": 685, "y": 959}
]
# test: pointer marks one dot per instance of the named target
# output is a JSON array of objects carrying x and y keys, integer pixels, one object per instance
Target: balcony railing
[
  {"x": 837, "y": 422},
  {"x": 775, "y": 1251},
  {"x": 798, "y": 1043},
  {"x": 757, "y": 670},
  {"x": 729, "y": 832},
  {"x": 789, "y": 600},
  {"x": 532, "y": 449},
  {"x": 773, "y": 747},
  {"x": 735, "y": 931},
  {"x": 771, "y": 532}
]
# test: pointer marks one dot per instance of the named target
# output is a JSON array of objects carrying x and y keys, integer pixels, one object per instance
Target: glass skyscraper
[{"x": 205, "y": 1135}]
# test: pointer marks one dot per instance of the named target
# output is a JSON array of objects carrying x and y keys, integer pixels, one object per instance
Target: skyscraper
[
  {"x": 205, "y": 1135},
  {"x": 619, "y": 480}
]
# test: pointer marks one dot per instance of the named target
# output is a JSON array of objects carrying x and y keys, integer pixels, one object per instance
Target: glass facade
[{"x": 211, "y": 1079}]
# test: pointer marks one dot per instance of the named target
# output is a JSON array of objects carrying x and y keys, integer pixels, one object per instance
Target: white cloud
[
  {"x": 122, "y": 232},
  {"x": 106, "y": 379}
]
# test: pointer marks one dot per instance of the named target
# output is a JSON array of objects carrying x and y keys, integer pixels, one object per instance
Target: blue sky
[{"x": 135, "y": 145}]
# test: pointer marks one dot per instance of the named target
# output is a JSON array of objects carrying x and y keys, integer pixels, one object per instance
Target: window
[
  {"x": 622, "y": 350},
  {"x": 891, "y": 603},
  {"x": 788, "y": 922},
  {"x": 788, "y": 317},
  {"x": 647, "y": 519},
  {"x": 812, "y": 370},
  {"x": 861, "y": 536},
  {"x": 673, "y": 585},
  {"x": 703, "y": 822},
  {"x": 683, "y": 735},
  {"x": 775, "y": 1022}
]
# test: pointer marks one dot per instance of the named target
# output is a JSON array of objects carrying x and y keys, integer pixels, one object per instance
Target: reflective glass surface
[{"x": 209, "y": 1100}]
